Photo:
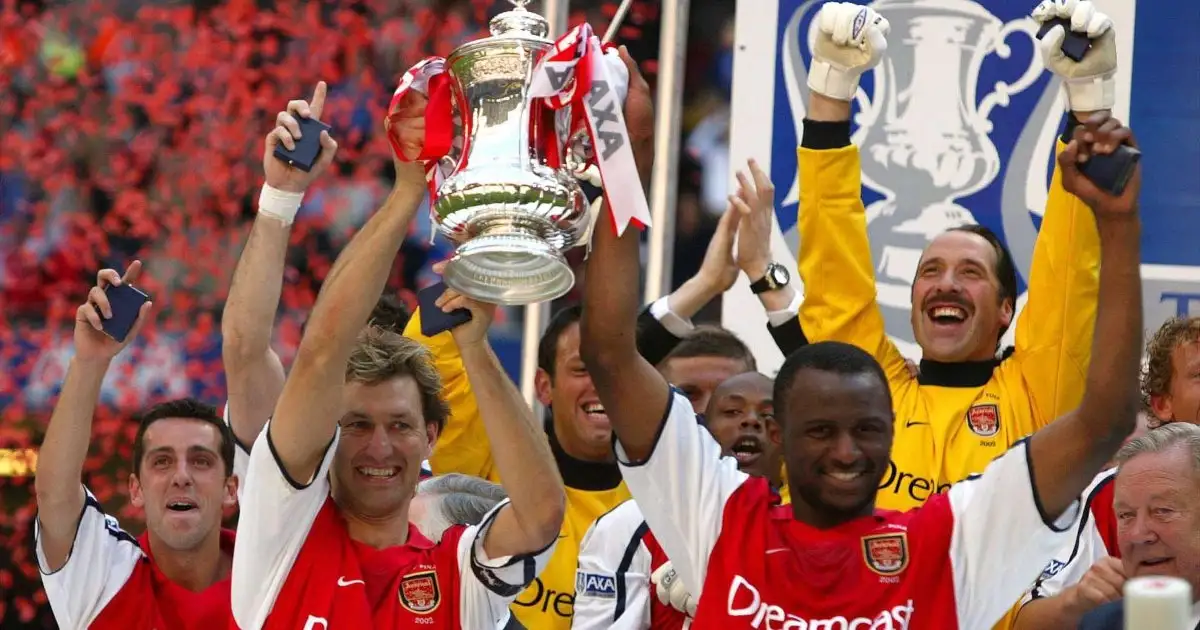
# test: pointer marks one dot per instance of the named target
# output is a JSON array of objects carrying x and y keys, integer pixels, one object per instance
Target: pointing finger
[
  {"x": 318, "y": 100},
  {"x": 133, "y": 272}
]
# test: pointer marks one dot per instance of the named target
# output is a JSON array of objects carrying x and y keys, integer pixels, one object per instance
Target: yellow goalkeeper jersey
[{"x": 955, "y": 418}]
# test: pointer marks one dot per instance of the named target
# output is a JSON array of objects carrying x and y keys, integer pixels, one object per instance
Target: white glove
[
  {"x": 670, "y": 590},
  {"x": 1089, "y": 83},
  {"x": 851, "y": 39}
]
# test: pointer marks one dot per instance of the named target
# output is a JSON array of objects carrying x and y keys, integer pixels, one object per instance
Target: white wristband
[
  {"x": 1091, "y": 94},
  {"x": 827, "y": 80},
  {"x": 281, "y": 204}
]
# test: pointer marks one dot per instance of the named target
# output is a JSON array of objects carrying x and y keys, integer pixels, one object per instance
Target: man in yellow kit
[{"x": 967, "y": 406}]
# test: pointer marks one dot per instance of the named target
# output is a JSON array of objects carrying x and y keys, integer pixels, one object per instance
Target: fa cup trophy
[{"x": 507, "y": 200}]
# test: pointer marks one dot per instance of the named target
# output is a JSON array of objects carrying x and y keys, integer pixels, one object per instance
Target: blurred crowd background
[{"x": 133, "y": 128}]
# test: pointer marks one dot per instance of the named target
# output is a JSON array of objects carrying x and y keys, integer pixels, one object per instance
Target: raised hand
[
  {"x": 851, "y": 39},
  {"x": 281, "y": 175},
  {"x": 406, "y": 123},
  {"x": 755, "y": 203},
  {"x": 475, "y": 331},
  {"x": 1089, "y": 82},
  {"x": 719, "y": 270},
  {"x": 91, "y": 343},
  {"x": 639, "y": 115},
  {"x": 1100, "y": 134}
]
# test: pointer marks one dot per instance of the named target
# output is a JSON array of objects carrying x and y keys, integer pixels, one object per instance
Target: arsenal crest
[
  {"x": 984, "y": 420},
  {"x": 419, "y": 592},
  {"x": 886, "y": 554}
]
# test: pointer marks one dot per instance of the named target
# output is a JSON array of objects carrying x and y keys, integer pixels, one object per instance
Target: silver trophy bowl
[{"x": 510, "y": 213}]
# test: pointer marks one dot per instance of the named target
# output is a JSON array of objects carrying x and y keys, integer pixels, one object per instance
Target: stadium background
[{"x": 134, "y": 128}]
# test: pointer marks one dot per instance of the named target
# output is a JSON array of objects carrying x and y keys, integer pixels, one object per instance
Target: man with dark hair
[
  {"x": 625, "y": 581},
  {"x": 704, "y": 359},
  {"x": 830, "y": 557},
  {"x": 1169, "y": 390},
  {"x": 968, "y": 404},
  {"x": 176, "y": 575}
]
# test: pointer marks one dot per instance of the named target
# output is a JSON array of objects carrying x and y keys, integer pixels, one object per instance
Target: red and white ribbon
[
  {"x": 577, "y": 72},
  {"x": 443, "y": 138}
]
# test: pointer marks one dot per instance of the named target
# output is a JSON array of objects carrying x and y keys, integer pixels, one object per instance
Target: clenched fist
[
  {"x": 1100, "y": 134},
  {"x": 1089, "y": 82},
  {"x": 851, "y": 39},
  {"x": 1100, "y": 585},
  {"x": 670, "y": 591}
]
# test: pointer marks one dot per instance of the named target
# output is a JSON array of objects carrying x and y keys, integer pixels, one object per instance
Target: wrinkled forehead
[{"x": 956, "y": 246}]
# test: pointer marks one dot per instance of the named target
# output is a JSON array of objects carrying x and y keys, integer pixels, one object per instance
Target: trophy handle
[{"x": 999, "y": 97}]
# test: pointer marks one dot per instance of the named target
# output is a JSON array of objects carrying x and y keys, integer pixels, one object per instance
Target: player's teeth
[
  {"x": 844, "y": 476},
  {"x": 378, "y": 472}
]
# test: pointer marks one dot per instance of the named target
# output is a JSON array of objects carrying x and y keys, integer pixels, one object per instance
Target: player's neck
[
  {"x": 823, "y": 518},
  {"x": 580, "y": 449},
  {"x": 378, "y": 532},
  {"x": 196, "y": 569}
]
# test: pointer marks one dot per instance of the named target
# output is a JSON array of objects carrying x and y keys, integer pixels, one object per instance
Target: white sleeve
[
  {"x": 675, "y": 324},
  {"x": 489, "y": 585},
  {"x": 101, "y": 559},
  {"x": 1001, "y": 537},
  {"x": 612, "y": 581},
  {"x": 682, "y": 488},
  {"x": 1072, "y": 560},
  {"x": 241, "y": 457},
  {"x": 276, "y": 514}
]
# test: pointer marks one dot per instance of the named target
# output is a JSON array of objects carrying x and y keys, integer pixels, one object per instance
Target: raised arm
[
  {"x": 58, "y": 485},
  {"x": 310, "y": 405},
  {"x": 1054, "y": 340},
  {"x": 253, "y": 370},
  {"x": 1067, "y": 454},
  {"x": 527, "y": 470},
  {"x": 634, "y": 394},
  {"x": 835, "y": 256}
]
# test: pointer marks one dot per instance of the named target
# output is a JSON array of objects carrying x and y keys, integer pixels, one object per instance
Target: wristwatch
[{"x": 777, "y": 277}]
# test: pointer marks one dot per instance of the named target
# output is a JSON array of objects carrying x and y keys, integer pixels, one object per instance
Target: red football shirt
[
  {"x": 110, "y": 581},
  {"x": 958, "y": 562},
  {"x": 296, "y": 566}
]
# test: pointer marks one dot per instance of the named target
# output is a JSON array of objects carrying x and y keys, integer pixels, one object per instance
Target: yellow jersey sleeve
[
  {"x": 463, "y": 445},
  {"x": 1054, "y": 331},
  {"x": 835, "y": 259}
]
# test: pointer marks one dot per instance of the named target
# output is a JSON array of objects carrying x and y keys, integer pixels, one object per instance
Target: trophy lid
[{"x": 520, "y": 21}]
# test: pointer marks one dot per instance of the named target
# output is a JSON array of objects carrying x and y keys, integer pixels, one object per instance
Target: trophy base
[{"x": 511, "y": 269}]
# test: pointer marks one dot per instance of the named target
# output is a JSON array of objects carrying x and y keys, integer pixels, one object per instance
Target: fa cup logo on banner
[{"x": 924, "y": 132}]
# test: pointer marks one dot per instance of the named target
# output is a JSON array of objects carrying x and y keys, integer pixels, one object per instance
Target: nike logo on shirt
[{"x": 342, "y": 581}]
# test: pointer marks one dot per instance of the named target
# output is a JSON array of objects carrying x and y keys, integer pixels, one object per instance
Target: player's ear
[
  {"x": 774, "y": 433},
  {"x": 1161, "y": 408},
  {"x": 541, "y": 382},
  {"x": 231, "y": 489},
  {"x": 431, "y": 433},
  {"x": 135, "y": 492}
]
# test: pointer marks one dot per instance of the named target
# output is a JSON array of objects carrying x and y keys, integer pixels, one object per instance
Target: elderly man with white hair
[{"x": 1156, "y": 499}]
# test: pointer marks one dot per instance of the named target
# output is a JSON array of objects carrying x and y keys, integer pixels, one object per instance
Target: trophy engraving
[{"x": 510, "y": 210}]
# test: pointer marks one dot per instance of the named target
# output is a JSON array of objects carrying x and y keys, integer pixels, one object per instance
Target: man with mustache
[
  {"x": 96, "y": 575},
  {"x": 620, "y": 549},
  {"x": 831, "y": 558},
  {"x": 1087, "y": 571},
  {"x": 967, "y": 406}
]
